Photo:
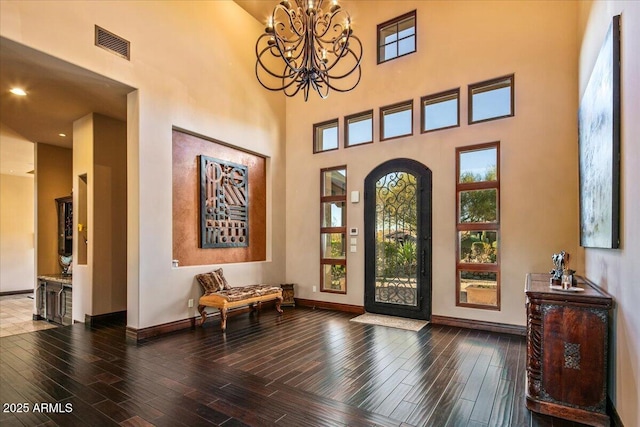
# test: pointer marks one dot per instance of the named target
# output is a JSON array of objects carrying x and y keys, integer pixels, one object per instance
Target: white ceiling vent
[{"x": 114, "y": 44}]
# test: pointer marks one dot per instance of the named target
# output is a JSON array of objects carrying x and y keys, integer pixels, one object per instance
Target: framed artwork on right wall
[{"x": 599, "y": 147}]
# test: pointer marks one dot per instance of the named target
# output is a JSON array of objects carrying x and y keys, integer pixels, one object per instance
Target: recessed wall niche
[{"x": 187, "y": 149}]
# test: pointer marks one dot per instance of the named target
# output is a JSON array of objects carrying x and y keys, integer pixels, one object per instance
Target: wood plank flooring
[{"x": 304, "y": 368}]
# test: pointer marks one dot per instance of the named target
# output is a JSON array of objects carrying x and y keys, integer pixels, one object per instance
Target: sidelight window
[
  {"x": 478, "y": 226},
  {"x": 333, "y": 230}
]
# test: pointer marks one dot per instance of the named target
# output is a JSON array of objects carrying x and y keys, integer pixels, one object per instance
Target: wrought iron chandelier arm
[
  {"x": 309, "y": 42},
  {"x": 342, "y": 49}
]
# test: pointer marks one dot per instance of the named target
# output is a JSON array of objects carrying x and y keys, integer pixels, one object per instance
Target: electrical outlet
[
  {"x": 190, "y": 303},
  {"x": 315, "y": 289}
]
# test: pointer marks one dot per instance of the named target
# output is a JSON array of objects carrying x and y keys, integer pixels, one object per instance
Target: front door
[{"x": 397, "y": 222}]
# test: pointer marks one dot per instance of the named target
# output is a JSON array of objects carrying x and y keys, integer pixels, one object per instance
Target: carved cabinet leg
[
  {"x": 223, "y": 319},
  {"x": 278, "y": 303},
  {"x": 202, "y": 313}
]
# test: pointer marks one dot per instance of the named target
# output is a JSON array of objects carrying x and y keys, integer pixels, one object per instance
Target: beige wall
[
  {"x": 99, "y": 150},
  {"x": 459, "y": 43},
  {"x": 83, "y": 214},
  {"x": 199, "y": 78},
  {"x": 17, "y": 233},
  {"x": 109, "y": 215},
  {"x": 618, "y": 270},
  {"x": 53, "y": 180}
]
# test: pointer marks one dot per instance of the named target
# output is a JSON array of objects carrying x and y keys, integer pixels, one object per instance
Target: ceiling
[
  {"x": 58, "y": 93},
  {"x": 259, "y": 9}
]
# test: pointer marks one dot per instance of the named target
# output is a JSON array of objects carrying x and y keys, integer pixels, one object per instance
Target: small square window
[
  {"x": 396, "y": 120},
  {"x": 358, "y": 129},
  {"x": 440, "y": 111},
  {"x": 479, "y": 288},
  {"x": 334, "y": 278},
  {"x": 397, "y": 37},
  {"x": 478, "y": 206},
  {"x": 478, "y": 246},
  {"x": 333, "y": 214},
  {"x": 479, "y": 165},
  {"x": 492, "y": 99},
  {"x": 325, "y": 136},
  {"x": 334, "y": 182},
  {"x": 333, "y": 245}
]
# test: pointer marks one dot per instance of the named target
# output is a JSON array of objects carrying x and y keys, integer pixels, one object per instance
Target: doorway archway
[{"x": 397, "y": 235}]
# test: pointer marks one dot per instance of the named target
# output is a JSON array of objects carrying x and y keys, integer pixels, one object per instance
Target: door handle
[
  {"x": 60, "y": 303},
  {"x": 422, "y": 262}
]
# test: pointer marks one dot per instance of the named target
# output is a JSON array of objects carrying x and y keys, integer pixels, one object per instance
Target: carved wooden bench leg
[
  {"x": 202, "y": 313},
  {"x": 278, "y": 302},
  {"x": 223, "y": 319}
]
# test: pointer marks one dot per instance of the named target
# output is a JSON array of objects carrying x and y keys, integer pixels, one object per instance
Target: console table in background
[{"x": 567, "y": 350}]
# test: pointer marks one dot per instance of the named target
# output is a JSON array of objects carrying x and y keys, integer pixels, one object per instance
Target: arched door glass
[{"x": 396, "y": 226}]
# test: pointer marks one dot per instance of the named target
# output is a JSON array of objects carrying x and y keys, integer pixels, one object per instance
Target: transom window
[
  {"x": 333, "y": 230},
  {"x": 478, "y": 226},
  {"x": 397, "y": 37},
  {"x": 440, "y": 111},
  {"x": 396, "y": 120},
  {"x": 325, "y": 136},
  {"x": 358, "y": 129},
  {"x": 491, "y": 99}
]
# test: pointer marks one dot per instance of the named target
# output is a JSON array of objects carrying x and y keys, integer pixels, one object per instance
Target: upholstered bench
[{"x": 218, "y": 294}]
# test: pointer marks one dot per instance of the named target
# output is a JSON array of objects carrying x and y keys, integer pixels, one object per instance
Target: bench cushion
[{"x": 240, "y": 293}]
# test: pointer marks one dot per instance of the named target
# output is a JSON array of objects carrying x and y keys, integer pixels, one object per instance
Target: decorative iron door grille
[
  {"x": 397, "y": 223},
  {"x": 224, "y": 204},
  {"x": 396, "y": 227}
]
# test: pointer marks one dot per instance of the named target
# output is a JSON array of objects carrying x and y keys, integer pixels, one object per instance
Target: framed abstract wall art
[
  {"x": 599, "y": 147},
  {"x": 224, "y": 204}
]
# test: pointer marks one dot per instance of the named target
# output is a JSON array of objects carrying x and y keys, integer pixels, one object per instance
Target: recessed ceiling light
[
  {"x": 18, "y": 91},
  {"x": 62, "y": 134}
]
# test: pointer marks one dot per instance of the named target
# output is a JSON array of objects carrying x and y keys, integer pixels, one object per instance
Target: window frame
[
  {"x": 325, "y": 125},
  {"x": 478, "y": 226},
  {"x": 408, "y": 103},
  {"x": 368, "y": 113},
  {"x": 487, "y": 85},
  {"x": 334, "y": 230},
  {"x": 397, "y": 20},
  {"x": 439, "y": 96}
]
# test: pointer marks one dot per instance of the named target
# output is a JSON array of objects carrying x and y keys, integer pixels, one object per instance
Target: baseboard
[
  {"x": 502, "y": 328},
  {"x": 24, "y": 291},
  {"x": 135, "y": 335},
  {"x": 357, "y": 309},
  {"x": 613, "y": 414},
  {"x": 117, "y": 316}
]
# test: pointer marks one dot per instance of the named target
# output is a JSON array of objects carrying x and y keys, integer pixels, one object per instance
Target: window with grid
[
  {"x": 325, "y": 136},
  {"x": 333, "y": 230},
  {"x": 478, "y": 226},
  {"x": 397, "y": 37}
]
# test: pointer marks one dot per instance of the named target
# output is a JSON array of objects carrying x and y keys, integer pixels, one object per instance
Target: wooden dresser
[{"x": 567, "y": 351}]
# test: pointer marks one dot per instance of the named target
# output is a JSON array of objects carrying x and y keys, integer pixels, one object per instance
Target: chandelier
[{"x": 313, "y": 48}]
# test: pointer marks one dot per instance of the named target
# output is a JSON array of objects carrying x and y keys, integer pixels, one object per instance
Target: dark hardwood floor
[{"x": 304, "y": 368}]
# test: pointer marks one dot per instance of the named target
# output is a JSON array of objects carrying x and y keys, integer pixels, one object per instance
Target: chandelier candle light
[{"x": 315, "y": 49}]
